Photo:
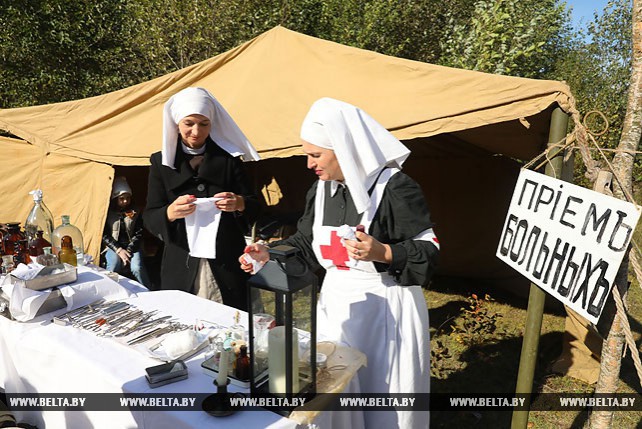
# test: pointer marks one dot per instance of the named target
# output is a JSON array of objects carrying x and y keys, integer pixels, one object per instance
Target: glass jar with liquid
[
  {"x": 67, "y": 229},
  {"x": 67, "y": 253}
]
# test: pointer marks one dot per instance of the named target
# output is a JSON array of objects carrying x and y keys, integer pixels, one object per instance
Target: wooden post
[{"x": 535, "y": 311}]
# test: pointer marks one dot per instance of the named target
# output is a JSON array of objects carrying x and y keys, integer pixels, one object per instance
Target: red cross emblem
[{"x": 335, "y": 252}]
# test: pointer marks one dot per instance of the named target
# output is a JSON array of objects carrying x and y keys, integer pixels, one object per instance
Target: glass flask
[
  {"x": 237, "y": 330},
  {"x": 67, "y": 253},
  {"x": 67, "y": 229},
  {"x": 39, "y": 218}
]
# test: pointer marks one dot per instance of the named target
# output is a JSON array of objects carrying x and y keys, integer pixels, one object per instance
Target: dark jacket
[
  {"x": 219, "y": 172},
  {"x": 119, "y": 232}
]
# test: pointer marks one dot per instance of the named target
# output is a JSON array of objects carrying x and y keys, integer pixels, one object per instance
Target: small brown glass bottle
[
  {"x": 67, "y": 254},
  {"x": 242, "y": 367},
  {"x": 3, "y": 231},
  {"x": 37, "y": 245},
  {"x": 21, "y": 252}
]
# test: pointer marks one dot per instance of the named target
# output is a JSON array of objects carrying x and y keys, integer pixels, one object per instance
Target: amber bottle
[
  {"x": 12, "y": 237},
  {"x": 37, "y": 245},
  {"x": 3, "y": 231},
  {"x": 67, "y": 254},
  {"x": 242, "y": 368},
  {"x": 21, "y": 252}
]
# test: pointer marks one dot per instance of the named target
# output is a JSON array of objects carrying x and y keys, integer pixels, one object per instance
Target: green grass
[{"x": 487, "y": 362}]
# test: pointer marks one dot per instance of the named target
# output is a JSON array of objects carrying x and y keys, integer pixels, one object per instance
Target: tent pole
[{"x": 535, "y": 311}]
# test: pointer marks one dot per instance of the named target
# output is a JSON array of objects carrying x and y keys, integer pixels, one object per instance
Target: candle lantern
[{"x": 282, "y": 328}]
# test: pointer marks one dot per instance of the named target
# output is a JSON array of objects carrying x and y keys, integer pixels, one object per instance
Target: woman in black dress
[
  {"x": 199, "y": 202},
  {"x": 371, "y": 298}
]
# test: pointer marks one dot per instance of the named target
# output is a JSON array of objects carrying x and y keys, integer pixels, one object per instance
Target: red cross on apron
[
  {"x": 327, "y": 244},
  {"x": 335, "y": 251}
]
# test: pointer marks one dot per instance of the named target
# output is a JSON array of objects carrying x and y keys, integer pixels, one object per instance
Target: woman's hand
[
  {"x": 181, "y": 207},
  {"x": 230, "y": 202},
  {"x": 259, "y": 252},
  {"x": 367, "y": 248},
  {"x": 124, "y": 255}
]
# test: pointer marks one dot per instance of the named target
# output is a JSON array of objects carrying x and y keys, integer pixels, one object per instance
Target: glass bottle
[
  {"x": 227, "y": 343},
  {"x": 73, "y": 233},
  {"x": 36, "y": 246},
  {"x": 67, "y": 253},
  {"x": 39, "y": 218},
  {"x": 47, "y": 258},
  {"x": 12, "y": 237},
  {"x": 237, "y": 330},
  {"x": 21, "y": 253},
  {"x": 2, "y": 233},
  {"x": 7, "y": 264},
  {"x": 242, "y": 367}
]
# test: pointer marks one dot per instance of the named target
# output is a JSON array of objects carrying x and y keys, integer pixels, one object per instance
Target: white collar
[
  {"x": 191, "y": 151},
  {"x": 334, "y": 187}
]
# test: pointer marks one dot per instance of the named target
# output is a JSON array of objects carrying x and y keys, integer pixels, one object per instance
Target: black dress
[
  {"x": 219, "y": 172},
  {"x": 402, "y": 214}
]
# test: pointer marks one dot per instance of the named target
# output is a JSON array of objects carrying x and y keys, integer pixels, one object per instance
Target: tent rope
[
  {"x": 545, "y": 154},
  {"x": 620, "y": 182}
]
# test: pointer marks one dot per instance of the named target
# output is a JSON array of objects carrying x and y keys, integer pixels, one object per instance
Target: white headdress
[
  {"x": 224, "y": 132},
  {"x": 363, "y": 147}
]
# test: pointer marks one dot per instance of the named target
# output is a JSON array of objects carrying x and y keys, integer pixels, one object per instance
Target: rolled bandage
[
  {"x": 347, "y": 233},
  {"x": 256, "y": 265}
]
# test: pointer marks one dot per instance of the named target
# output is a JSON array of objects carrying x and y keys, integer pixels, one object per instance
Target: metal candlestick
[{"x": 218, "y": 404}]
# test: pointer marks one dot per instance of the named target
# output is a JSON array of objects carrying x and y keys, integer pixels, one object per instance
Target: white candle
[
  {"x": 221, "y": 380},
  {"x": 276, "y": 360}
]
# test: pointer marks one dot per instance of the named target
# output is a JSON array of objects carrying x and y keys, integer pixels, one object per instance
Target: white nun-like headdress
[
  {"x": 224, "y": 132},
  {"x": 363, "y": 147}
]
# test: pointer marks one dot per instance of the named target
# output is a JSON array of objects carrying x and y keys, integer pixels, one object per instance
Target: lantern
[{"x": 282, "y": 328}]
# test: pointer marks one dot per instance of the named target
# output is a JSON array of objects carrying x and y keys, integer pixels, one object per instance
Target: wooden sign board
[{"x": 566, "y": 239}]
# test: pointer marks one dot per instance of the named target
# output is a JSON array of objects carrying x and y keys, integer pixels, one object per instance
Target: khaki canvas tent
[{"x": 464, "y": 128}]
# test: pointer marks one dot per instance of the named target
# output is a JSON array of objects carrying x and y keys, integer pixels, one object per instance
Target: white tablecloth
[{"x": 42, "y": 357}]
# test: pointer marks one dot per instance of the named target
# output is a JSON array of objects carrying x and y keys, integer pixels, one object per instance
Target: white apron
[{"x": 369, "y": 311}]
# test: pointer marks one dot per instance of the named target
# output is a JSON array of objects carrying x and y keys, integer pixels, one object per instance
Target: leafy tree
[
  {"x": 597, "y": 68},
  {"x": 405, "y": 28},
  {"x": 623, "y": 163},
  {"x": 57, "y": 50},
  {"x": 513, "y": 37}
]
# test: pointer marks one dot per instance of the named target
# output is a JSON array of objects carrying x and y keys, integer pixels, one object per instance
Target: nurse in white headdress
[
  {"x": 199, "y": 201},
  {"x": 371, "y": 297}
]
